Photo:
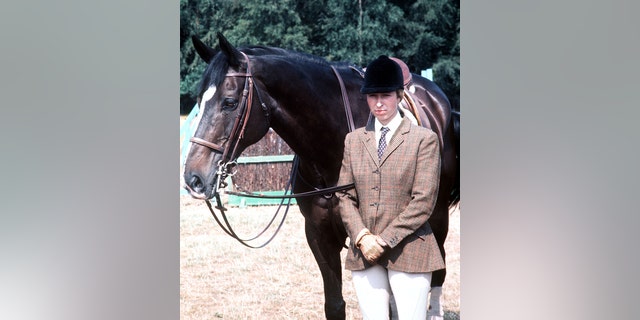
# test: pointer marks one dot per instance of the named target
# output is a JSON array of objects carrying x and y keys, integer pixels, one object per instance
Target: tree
[
  {"x": 381, "y": 21},
  {"x": 273, "y": 23},
  {"x": 434, "y": 26},
  {"x": 423, "y": 33}
]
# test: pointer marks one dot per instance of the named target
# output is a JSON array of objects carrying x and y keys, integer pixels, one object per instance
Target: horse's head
[{"x": 231, "y": 118}]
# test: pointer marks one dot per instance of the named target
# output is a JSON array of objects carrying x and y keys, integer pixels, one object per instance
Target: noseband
[{"x": 227, "y": 164}]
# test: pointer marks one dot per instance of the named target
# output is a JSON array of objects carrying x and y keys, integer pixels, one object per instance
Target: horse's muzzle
[{"x": 197, "y": 188}]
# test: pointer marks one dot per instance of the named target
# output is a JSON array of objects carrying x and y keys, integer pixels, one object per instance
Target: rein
[
  {"x": 316, "y": 192},
  {"x": 229, "y": 230}
]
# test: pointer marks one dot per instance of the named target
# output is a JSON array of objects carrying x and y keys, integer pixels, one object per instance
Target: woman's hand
[{"x": 371, "y": 248}]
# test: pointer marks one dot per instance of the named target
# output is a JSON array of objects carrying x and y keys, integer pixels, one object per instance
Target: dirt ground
[{"x": 221, "y": 279}]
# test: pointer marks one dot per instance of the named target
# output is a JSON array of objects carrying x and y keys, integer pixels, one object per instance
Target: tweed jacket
[{"x": 393, "y": 197}]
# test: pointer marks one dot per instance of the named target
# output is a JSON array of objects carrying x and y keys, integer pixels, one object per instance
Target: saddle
[{"x": 420, "y": 106}]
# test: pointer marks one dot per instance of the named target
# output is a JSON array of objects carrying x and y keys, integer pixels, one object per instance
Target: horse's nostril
[{"x": 196, "y": 184}]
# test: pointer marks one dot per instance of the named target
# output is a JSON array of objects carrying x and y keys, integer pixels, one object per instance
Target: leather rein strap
[
  {"x": 226, "y": 227},
  {"x": 317, "y": 192}
]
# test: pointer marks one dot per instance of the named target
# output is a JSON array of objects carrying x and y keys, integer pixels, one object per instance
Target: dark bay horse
[{"x": 245, "y": 91}]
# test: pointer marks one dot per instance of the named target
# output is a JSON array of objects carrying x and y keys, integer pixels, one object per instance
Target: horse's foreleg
[{"x": 327, "y": 254}]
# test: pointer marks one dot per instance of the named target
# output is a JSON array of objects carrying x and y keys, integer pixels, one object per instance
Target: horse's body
[{"x": 299, "y": 97}]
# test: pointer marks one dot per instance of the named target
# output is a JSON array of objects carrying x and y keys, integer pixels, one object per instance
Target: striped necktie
[{"x": 382, "y": 144}]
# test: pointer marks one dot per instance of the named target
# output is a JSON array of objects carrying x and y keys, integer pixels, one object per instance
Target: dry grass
[{"x": 221, "y": 279}]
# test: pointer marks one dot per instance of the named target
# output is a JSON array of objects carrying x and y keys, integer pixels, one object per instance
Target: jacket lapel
[
  {"x": 396, "y": 140},
  {"x": 369, "y": 139}
]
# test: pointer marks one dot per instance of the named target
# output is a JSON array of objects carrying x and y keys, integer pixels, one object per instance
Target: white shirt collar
[{"x": 392, "y": 125}]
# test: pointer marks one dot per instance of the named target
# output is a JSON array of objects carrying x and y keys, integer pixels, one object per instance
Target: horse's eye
[{"x": 229, "y": 104}]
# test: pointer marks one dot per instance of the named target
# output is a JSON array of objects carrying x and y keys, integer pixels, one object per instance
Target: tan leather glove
[{"x": 370, "y": 247}]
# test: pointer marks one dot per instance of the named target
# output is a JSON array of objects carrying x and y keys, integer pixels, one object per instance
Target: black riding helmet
[{"x": 382, "y": 75}]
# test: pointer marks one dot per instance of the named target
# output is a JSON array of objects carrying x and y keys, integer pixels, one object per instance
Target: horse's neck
[
  {"x": 310, "y": 116},
  {"x": 317, "y": 140},
  {"x": 312, "y": 142}
]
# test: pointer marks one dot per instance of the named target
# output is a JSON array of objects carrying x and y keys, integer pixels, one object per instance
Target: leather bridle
[{"x": 227, "y": 164}]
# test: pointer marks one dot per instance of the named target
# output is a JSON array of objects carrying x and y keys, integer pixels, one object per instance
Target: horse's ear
[
  {"x": 233, "y": 55},
  {"x": 204, "y": 51}
]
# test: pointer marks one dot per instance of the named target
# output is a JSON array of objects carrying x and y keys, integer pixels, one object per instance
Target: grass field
[{"x": 221, "y": 279}]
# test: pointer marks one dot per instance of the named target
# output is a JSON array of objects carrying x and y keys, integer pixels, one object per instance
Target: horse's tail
[{"x": 454, "y": 198}]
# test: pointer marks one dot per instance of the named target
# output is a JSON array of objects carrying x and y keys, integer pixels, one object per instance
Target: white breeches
[{"x": 374, "y": 286}]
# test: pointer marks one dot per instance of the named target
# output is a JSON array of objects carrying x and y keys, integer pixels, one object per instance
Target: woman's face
[{"x": 383, "y": 105}]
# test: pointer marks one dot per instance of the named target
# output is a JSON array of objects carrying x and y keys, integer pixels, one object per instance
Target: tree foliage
[{"x": 423, "y": 33}]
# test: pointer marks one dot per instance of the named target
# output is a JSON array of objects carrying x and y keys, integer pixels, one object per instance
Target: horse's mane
[
  {"x": 216, "y": 70},
  {"x": 300, "y": 57}
]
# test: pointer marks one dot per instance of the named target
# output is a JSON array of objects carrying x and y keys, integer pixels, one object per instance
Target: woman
[{"x": 395, "y": 166}]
